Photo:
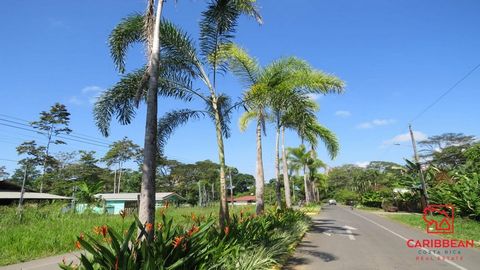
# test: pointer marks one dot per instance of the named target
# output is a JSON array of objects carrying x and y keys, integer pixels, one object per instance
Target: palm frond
[
  {"x": 326, "y": 136},
  {"x": 223, "y": 106},
  {"x": 240, "y": 63},
  {"x": 218, "y": 24},
  {"x": 129, "y": 31},
  {"x": 246, "y": 118},
  {"x": 172, "y": 120},
  {"x": 118, "y": 102}
]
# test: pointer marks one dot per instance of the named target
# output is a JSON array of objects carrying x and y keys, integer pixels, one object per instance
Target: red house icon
[{"x": 434, "y": 225}]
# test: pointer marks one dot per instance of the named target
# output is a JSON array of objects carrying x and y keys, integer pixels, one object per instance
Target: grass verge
[
  {"x": 45, "y": 231},
  {"x": 464, "y": 228}
]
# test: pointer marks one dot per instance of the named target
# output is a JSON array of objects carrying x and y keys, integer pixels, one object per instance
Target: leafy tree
[
  {"x": 119, "y": 153},
  {"x": 3, "y": 173},
  {"x": 472, "y": 156},
  {"x": 52, "y": 124},
  {"x": 86, "y": 192},
  {"x": 437, "y": 143}
]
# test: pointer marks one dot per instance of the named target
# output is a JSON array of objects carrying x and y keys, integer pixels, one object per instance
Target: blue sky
[{"x": 396, "y": 58}]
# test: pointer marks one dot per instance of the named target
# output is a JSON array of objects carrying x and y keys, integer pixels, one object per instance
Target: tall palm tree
[
  {"x": 180, "y": 63},
  {"x": 281, "y": 85},
  {"x": 303, "y": 120},
  {"x": 291, "y": 105}
]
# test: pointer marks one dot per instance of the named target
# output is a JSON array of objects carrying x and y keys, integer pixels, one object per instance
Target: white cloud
[
  {"x": 92, "y": 89},
  {"x": 315, "y": 97},
  {"x": 75, "y": 100},
  {"x": 88, "y": 93},
  {"x": 343, "y": 114},
  {"x": 362, "y": 164},
  {"x": 375, "y": 123},
  {"x": 401, "y": 138}
]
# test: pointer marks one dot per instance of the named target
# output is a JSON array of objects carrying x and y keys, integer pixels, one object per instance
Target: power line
[
  {"x": 62, "y": 137},
  {"x": 72, "y": 134},
  {"x": 445, "y": 93}
]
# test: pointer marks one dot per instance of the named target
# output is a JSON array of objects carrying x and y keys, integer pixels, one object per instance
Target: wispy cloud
[
  {"x": 92, "y": 89},
  {"x": 401, "y": 138},
  {"x": 56, "y": 23},
  {"x": 375, "y": 123},
  {"x": 88, "y": 94},
  {"x": 314, "y": 96},
  {"x": 362, "y": 164},
  {"x": 343, "y": 114},
  {"x": 75, "y": 100}
]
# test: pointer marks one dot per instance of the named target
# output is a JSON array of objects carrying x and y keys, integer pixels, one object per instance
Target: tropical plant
[
  {"x": 272, "y": 91},
  {"x": 180, "y": 62}
]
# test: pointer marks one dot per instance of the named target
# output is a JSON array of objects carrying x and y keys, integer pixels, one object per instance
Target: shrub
[{"x": 249, "y": 242}]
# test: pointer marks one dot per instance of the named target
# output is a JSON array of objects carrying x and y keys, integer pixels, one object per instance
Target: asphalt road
[
  {"x": 50, "y": 263},
  {"x": 352, "y": 239}
]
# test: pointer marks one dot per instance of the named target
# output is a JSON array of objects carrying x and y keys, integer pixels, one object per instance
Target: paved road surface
[
  {"x": 50, "y": 263},
  {"x": 357, "y": 240}
]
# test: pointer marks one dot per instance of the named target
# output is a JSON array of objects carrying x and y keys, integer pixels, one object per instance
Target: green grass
[
  {"x": 464, "y": 228},
  {"x": 45, "y": 231}
]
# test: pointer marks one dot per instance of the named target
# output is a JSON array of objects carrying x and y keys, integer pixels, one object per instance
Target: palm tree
[
  {"x": 281, "y": 85},
  {"x": 303, "y": 120},
  {"x": 180, "y": 63},
  {"x": 293, "y": 108}
]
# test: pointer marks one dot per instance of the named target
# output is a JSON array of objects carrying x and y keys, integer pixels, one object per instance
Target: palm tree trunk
[
  {"x": 147, "y": 192},
  {"x": 115, "y": 181},
  {"x": 306, "y": 183},
  {"x": 278, "y": 191},
  {"x": 224, "y": 217},
  {"x": 260, "y": 180},
  {"x": 119, "y": 177},
  {"x": 311, "y": 183},
  {"x": 286, "y": 181}
]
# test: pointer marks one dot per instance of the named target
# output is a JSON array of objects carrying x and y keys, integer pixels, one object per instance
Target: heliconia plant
[{"x": 248, "y": 242}]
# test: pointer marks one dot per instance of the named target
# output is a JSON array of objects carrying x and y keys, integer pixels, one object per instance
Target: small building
[
  {"x": 10, "y": 193},
  {"x": 9, "y": 197},
  {"x": 116, "y": 202},
  {"x": 243, "y": 200}
]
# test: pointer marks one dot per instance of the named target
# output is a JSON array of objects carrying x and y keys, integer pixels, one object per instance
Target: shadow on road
[{"x": 326, "y": 225}]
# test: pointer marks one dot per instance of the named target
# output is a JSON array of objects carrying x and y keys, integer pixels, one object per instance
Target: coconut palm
[{"x": 180, "y": 63}]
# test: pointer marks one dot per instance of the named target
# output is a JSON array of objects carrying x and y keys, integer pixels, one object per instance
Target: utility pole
[
  {"x": 231, "y": 187},
  {"x": 22, "y": 193},
  {"x": 424, "y": 197}
]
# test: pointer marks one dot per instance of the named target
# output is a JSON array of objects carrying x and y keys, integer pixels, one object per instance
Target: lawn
[
  {"x": 464, "y": 228},
  {"x": 45, "y": 231}
]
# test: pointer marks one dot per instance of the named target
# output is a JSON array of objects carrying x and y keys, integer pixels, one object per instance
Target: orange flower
[
  {"x": 123, "y": 214},
  {"x": 193, "y": 216},
  {"x": 148, "y": 227},
  {"x": 193, "y": 230},
  {"x": 226, "y": 230},
  {"x": 176, "y": 242},
  {"x": 97, "y": 230},
  {"x": 104, "y": 230},
  {"x": 78, "y": 245}
]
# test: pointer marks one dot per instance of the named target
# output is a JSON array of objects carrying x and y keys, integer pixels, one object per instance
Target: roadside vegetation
[
  {"x": 47, "y": 231},
  {"x": 464, "y": 228},
  {"x": 450, "y": 163},
  {"x": 247, "y": 242}
]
